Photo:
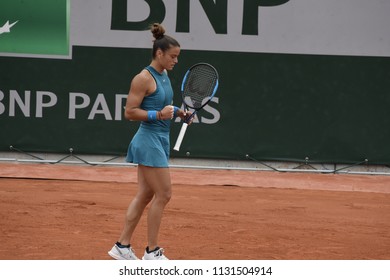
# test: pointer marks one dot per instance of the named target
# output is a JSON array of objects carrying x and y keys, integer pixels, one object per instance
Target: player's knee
[
  {"x": 146, "y": 199},
  {"x": 167, "y": 197},
  {"x": 164, "y": 197}
]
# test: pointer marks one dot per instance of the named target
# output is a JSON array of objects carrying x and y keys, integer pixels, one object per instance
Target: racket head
[{"x": 200, "y": 83}]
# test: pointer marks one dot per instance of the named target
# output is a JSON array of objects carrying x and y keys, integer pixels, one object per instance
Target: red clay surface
[{"x": 76, "y": 212}]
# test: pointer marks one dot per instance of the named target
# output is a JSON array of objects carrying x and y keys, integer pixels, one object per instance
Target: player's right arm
[{"x": 141, "y": 85}]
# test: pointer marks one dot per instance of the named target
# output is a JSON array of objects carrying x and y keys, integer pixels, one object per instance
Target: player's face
[{"x": 170, "y": 57}]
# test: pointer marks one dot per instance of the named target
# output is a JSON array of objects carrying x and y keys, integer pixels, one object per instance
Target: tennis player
[{"x": 150, "y": 101}]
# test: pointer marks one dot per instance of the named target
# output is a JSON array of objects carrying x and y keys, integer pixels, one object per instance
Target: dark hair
[{"x": 161, "y": 41}]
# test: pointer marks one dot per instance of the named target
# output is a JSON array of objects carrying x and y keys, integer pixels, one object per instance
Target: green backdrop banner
[
  {"x": 38, "y": 27},
  {"x": 270, "y": 106}
]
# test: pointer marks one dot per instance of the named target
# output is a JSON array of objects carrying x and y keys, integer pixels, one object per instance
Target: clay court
[{"x": 64, "y": 212}]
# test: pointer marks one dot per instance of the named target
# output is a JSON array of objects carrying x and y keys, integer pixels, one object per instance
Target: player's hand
[
  {"x": 183, "y": 114},
  {"x": 166, "y": 113}
]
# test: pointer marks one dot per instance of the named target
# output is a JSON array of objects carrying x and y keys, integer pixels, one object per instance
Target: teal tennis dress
[{"x": 150, "y": 145}]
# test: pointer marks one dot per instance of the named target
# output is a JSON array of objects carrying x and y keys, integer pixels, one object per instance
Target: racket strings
[{"x": 200, "y": 85}]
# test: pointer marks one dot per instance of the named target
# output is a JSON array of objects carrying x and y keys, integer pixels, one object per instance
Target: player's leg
[
  {"x": 159, "y": 180},
  {"x": 136, "y": 207},
  {"x": 122, "y": 249}
]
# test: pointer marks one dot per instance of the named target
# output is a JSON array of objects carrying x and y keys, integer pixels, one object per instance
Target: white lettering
[
  {"x": 40, "y": 104},
  {"x": 212, "y": 111},
  {"x": 100, "y": 102},
  {"x": 79, "y": 103},
  {"x": 23, "y": 105},
  {"x": 73, "y": 105},
  {"x": 2, "y": 107},
  {"x": 209, "y": 109},
  {"x": 119, "y": 106}
]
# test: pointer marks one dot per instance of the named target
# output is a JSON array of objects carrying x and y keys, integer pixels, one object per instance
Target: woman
[{"x": 149, "y": 101}]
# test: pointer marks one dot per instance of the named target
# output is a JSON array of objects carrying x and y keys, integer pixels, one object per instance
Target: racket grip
[{"x": 181, "y": 136}]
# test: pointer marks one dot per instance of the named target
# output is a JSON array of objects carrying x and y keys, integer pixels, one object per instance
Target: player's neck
[{"x": 157, "y": 66}]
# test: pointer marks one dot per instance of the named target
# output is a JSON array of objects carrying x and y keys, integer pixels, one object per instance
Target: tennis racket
[{"x": 200, "y": 83}]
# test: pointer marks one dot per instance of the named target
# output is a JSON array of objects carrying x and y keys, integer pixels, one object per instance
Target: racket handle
[{"x": 181, "y": 136}]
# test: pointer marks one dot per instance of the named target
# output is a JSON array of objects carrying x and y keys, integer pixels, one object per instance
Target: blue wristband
[
  {"x": 175, "y": 109},
  {"x": 152, "y": 115}
]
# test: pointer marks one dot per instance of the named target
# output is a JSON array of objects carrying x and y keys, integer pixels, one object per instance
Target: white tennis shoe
[
  {"x": 122, "y": 253},
  {"x": 157, "y": 254}
]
